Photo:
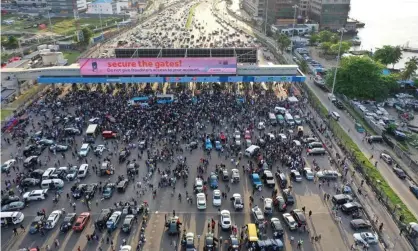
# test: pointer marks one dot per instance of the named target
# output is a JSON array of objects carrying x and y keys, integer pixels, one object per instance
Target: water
[{"x": 388, "y": 22}]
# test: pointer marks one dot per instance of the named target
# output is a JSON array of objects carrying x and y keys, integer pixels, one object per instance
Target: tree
[
  {"x": 4, "y": 57},
  {"x": 283, "y": 42},
  {"x": 303, "y": 66},
  {"x": 345, "y": 47},
  {"x": 326, "y": 46},
  {"x": 314, "y": 39},
  {"x": 388, "y": 55},
  {"x": 325, "y": 36},
  {"x": 362, "y": 78},
  {"x": 411, "y": 67},
  {"x": 87, "y": 35}
]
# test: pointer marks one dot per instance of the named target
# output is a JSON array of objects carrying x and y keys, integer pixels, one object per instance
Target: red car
[
  {"x": 81, "y": 221},
  {"x": 247, "y": 135},
  {"x": 108, "y": 134},
  {"x": 223, "y": 137}
]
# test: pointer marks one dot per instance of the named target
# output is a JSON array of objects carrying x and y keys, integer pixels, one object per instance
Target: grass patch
[
  {"x": 359, "y": 118},
  {"x": 5, "y": 113},
  {"x": 24, "y": 97},
  {"x": 370, "y": 172},
  {"x": 71, "y": 56},
  {"x": 191, "y": 15}
]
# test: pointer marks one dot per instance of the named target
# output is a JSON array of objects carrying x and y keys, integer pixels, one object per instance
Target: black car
[
  {"x": 71, "y": 131},
  {"x": 123, "y": 155},
  {"x": 28, "y": 182},
  {"x": 288, "y": 197},
  {"x": 299, "y": 216},
  {"x": 122, "y": 185},
  {"x": 31, "y": 161},
  {"x": 58, "y": 148},
  {"x": 414, "y": 190},
  {"x": 90, "y": 190},
  {"x": 209, "y": 242},
  {"x": 9, "y": 199},
  {"x": 37, "y": 174},
  {"x": 78, "y": 190},
  {"x": 68, "y": 222},
  {"x": 277, "y": 227},
  {"x": 360, "y": 224},
  {"x": 128, "y": 223},
  {"x": 233, "y": 243},
  {"x": 338, "y": 104},
  {"x": 103, "y": 217},
  {"x": 400, "y": 173},
  {"x": 31, "y": 150},
  {"x": 58, "y": 174}
]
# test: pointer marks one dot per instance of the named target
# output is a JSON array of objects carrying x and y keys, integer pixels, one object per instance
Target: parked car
[
  {"x": 13, "y": 206},
  {"x": 81, "y": 222},
  {"x": 360, "y": 224},
  {"x": 68, "y": 222},
  {"x": 366, "y": 238}
]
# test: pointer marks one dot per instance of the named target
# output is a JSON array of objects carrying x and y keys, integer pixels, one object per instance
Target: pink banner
[{"x": 158, "y": 66}]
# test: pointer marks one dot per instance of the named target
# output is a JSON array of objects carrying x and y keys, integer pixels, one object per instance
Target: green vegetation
[
  {"x": 9, "y": 42},
  {"x": 388, "y": 55},
  {"x": 411, "y": 66},
  {"x": 5, "y": 113},
  {"x": 22, "y": 99},
  {"x": 361, "y": 77},
  {"x": 283, "y": 42},
  {"x": 191, "y": 15},
  {"x": 371, "y": 173},
  {"x": 71, "y": 56},
  {"x": 330, "y": 42}
]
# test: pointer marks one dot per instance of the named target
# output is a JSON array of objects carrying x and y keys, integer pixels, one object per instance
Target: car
[
  {"x": 235, "y": 175},
  {"x": 108, "y": 190},
  {"x": 30, "y": 161},
  {"x": 123, "y": 155},
  {"x": 338, "y": 104},
  {"x": 112, "y": 222},
  {"x": 7, "y": 165},
  {"x": 105, "y": 214},
  {"x": 331, "y": 97},
  {"x": 35, "y": 195},
  {"x": 261, "y": 126},
  {"x": 60, "y": 173},
  {"x": 84, "y": 150},
  {"x": 257, "y": 214},
  {"x": 366, "y": 238},
  {"x": 122, "y": 185},
  {"x": 217, "y": 199},
  {"x": 7, "y": 199},
  {"x": 68, "y": 222},
  {"x": 72, "y": 173},
  {"x": 209, "y": 242},
  {"x": 308, "y": 173},
  {"x": 125, "y": 248},
  {"x": 46, "y": 142},
  {"x": 288, "y": 197},
  {"x": 90, "y": 191},
  {"x": 400, "y": 173},
  {"x": 34, "y": 226},
  {"x": 268, "y": 178},
  {"x": 201, "y": 201},
  {"x": 237, "y": 201},
  {"x": 255, "y": 179},
  {"x": 247, "y": 135},
  {"x": 208, "y": 144},
  {"x": 277, "y": 227},
  {"x": 290, "y": 221},
  {"x": 13, "y": 206},
  {"x": 58, "y": 148},
  {"x": 295, "y": 175},
  {"x": 128, "y": 223},
  {"x": 53, "y": 219},
  {"x": 225, "y": 219},
  {"x": 81, "y": 222},
  {"x": 357, "y": 224},
  {"x": 78, "y": 190},
  {"x": 237, "y": 135},
  {"x": 213, "y": 180},
  {"x": 414, "y": 190},
  {"x": 72, "y": 131},
  {"x": 189, "y": 242},
  {"x": 297, "y": 119},
  {"x": 28, "y": 182},
  {"x": 268, "y": 206},
  {"x": 299, "y": 216},
  {"x": 328, "y": 175},
  {"x": 218, "y": 145},
  {"x": 99, "y": 150},
  {"x": 198, "y": 185},
  {"x": 386, "y": 158},
  {"x": 31, "y": 150},
  {"x": 37, "y": 174}
]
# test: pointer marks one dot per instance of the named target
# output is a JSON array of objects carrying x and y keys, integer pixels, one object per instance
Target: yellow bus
[{"x": 252, "y": 232}]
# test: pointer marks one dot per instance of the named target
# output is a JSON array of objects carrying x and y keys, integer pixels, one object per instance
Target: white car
[
  {"x": 261, "y": 126},
  {"x": 53, "y": 219},
  {"x": 201, "y": 201},
  {"x": 125, "y": 248},
  {"x": 296, "y": 175},
  {"x": 282, "y": 137},
  {"x": 7, "y": 165},
  {"x": 99, "y": 149},
  {"x": 198, "y": 185},
  {"x": 237, "y": 201},
  {"x": 85, "y": 148},
  {"x": 258, "y": 214},
  {"x": 72, "y": 173},
  {"x": 309, "y": 175},
  {"x": 366, "y": 237},
  {"x": 217, "y": 198},
  {"x": 290, "y": 221},
  {"x": 225, "y": 219},
  {"x": 237, "y": 135},
  {"x": 235, "y": 175},
  {"x": 268, "y": 206},
  {"x": 386, "y": 158},
  {"x": 35, "y": 195}
]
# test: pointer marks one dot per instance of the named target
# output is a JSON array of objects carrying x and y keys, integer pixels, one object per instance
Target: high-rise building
[
  {"x": 41, "y": 3},
  {"x": 66, "y": 6},
  {"x": 330, "y": 14}
]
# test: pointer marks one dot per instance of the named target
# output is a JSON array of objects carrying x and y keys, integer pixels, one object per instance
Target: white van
[
  {"x": 11, "y": 218},
  {"x": 83, "y": 171},
  {"x": 52, "y": 184},
  {"x": 335, "y": 115},
  {"x": 250, "y": 151},
  {"x": 48, "y": 173},
  {"x": 272, "y": 119},
  {"x": 289, "y": 119},
  {"x": 280, "y": 110}
]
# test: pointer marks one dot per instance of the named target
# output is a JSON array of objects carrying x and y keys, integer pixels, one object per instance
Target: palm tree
[
  {"x": 411, "y": 67},
  {"x": 283, "y": 42}
]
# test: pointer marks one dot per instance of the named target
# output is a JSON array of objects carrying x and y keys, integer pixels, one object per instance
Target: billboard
[{"x": 158, "y": 66}]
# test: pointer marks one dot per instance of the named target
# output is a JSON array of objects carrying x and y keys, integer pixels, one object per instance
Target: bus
[
  {"x": 91, "y": 133},
  {"x": 8, "y": 218},
  {"x": 165, "y": 99},
  {"x": 138, "y": 101}
]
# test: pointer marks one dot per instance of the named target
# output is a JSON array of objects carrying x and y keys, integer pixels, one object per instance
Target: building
[
  {"x": 330, "y": 14},
  {"x": 255, "y": 8},
  {"x": 36, "y": 3},
  {"x": 107, "y": 7},
  {"x": 66, "y": 6},
  {"x": 276, "y": 9}
]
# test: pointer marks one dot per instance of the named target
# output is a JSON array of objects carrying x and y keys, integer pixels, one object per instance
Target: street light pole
[
  {"x": 342, "y": 30},
  {"x": 265, "y": 19},
  {"x": 293, "y": 28}
]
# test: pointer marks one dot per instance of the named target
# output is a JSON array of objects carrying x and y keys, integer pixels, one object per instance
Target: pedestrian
[
  {"x": 22, "y": 228},
  {"x": 310, "y": 213}
]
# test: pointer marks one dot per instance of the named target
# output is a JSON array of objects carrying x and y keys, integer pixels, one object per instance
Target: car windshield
[{"x": 217, "y": 197}]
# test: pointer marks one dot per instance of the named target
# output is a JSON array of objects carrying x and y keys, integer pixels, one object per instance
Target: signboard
[
  {"x": 124, "y": 80},
  {"x": 158, "y": 66}
]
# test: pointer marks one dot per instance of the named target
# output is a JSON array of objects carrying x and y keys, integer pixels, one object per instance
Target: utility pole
[
  {"x": 342, "y": 30},
  {"x": 293, "y": 28},
  {"x": 79, "y": 34},
  {"x": 265, "y": 19}
]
